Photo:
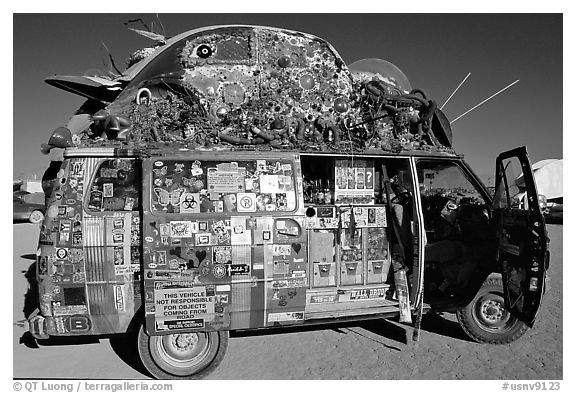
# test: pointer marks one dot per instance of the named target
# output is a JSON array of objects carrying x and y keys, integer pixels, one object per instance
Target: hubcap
[
  {"x": 181, "y": 352},
  {"x": 490, "y": 312},
  {"x": 183, "y": 342}
]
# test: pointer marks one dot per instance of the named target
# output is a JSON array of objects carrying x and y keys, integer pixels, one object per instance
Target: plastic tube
[
  {"x": 262, "y": 134},
  {"x": 419, "y": 91},
  {"x": 427, "y": 114},
  {"x": 299, "y": 125}
]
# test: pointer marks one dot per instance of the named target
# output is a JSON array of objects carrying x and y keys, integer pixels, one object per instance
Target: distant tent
[{"x": 548, "y": 177}]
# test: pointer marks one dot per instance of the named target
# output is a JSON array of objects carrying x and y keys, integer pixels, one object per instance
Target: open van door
[{"x": 522, "y": 237}]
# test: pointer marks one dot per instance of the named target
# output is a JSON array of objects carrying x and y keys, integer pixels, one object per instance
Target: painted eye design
[{"x": 204, "y": 51}]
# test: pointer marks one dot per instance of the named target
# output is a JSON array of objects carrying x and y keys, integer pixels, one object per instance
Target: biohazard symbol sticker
[{"x": 246, "y": 202}]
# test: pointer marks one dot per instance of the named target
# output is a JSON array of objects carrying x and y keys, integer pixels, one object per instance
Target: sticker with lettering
[
  {"x": 238, "y": 269},
  {"x": 285, "y": 317},
  {"x": 324, "y": 298},
  {"x": 119, "y": 298},
  {"x": 174, "y": 307},
  {"x": 368, "y": 293},
  {"x": 180, "y": 229},
  {"x": 281, "y": 249}
]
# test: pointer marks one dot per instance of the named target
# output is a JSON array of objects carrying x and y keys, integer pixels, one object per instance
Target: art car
[{"x": 237, "y": 178}]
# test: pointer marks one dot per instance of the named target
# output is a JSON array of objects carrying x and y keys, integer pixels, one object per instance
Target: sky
[{"x": 435, "y": 51}]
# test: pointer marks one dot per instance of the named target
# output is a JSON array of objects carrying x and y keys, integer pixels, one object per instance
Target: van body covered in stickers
[{"x": 244, "y": 177}]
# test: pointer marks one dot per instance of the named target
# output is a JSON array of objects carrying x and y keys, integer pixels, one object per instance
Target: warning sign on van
[
  {"x": 182, "y": 304},
  {"x": 226, "y": 179}
]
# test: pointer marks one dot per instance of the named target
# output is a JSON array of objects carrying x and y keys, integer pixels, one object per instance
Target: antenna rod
[
  {"x": 461, "y": 83},
  {"x": 492, "y": 96}
]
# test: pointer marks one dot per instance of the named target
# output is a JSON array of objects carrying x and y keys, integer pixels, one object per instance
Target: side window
[
  {"x": 243, "y": 186},
  {"x": 339, "y": 181},
  {"x": 354, "y": 181},
  {"x": 511, "y": 189},
  {"x": 318, "y": 180},
  {"x": 115, "y": 186}
]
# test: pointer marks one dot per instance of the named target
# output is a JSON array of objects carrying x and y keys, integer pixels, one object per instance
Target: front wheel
[
  {"x": 182, "y": 355},
  {"x": 486, "y": 319}
]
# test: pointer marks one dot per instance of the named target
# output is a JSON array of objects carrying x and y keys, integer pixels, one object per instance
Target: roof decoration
[{"x": 250, "y": 87}]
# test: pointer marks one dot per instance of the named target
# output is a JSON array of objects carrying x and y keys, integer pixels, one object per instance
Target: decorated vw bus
[{"x": 237, "y": 178}]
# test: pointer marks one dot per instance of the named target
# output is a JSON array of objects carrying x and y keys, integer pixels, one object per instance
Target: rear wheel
[
  {"x": 486, "y": 319},
  {"x": 36, "y": 217},
  {"x": 182, "y": 355}
]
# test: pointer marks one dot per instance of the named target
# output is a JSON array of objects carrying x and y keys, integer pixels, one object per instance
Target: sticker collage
[
  {"x": 191, "y": 264},
  {"x": 89, "y": 262}
]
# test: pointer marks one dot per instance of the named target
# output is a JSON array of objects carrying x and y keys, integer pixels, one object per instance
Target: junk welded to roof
[{"x": 259, "y": 87}]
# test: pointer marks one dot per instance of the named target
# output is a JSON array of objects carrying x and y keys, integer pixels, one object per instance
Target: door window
[
  {"x": 115, "y": 186},
  {"x": 510, "y": 191},
  {"x": 522, "y": 235}
]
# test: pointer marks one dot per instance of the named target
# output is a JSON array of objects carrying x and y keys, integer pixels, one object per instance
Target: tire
[
  {"x": 486, "y": 320},
  {"x": 36, "y": 217},
  {"x": 164, "y": 360}
]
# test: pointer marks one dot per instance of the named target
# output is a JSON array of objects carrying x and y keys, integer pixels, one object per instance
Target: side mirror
[{"x": 542, "y": 202}]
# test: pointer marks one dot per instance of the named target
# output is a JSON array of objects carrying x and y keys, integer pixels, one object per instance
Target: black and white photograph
[{"x": 288, "y": 196}]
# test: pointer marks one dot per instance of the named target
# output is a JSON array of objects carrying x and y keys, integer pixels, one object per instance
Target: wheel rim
[
  {"x": 36, "y": 216},
  {"x": 181, "y": 354},
  {"x": 491, "y": 314}
]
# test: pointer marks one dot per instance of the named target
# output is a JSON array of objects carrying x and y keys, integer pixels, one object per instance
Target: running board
[
  {"x": 358, "y": 312},
  {"x": 328, "y": 314}
]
